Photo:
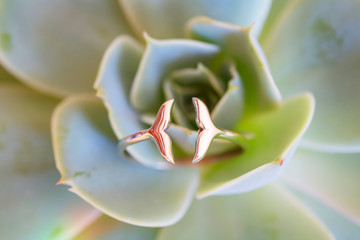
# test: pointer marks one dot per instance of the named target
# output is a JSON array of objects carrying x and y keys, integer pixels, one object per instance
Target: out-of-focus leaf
[
  {"x": 107, "y": 228},
  {"x": 166, "y": 18},
  {"x": 316, "y": 47},
  {"x": 267, "y": 213},
  {"x": 330, "y": 177},
  {"x": 341, "y": 226},
  {"x": 56, "y": 46},
  {"x": 32, "y": 207}
]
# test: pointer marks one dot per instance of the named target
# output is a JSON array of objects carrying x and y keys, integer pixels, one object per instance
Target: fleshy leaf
[
  {"x": 106, "y": 228},
  {"x": 215, "y": 82},
  {"x": 87, "y": 157},
  {"x": 260, "y": 92},
  {"x": 113, "y": 84},
  {"x": 341, "y": 227},
  {"x": 275, "y": 135},
  {"x": 229, "y": 110},
  {"x": 315, "y": 48},
  {"x": 331, "y": 178},
  {"x": 277, "y": 7},
  {"x": 32, "y": 207},
  {"x": 56, "y": 46},
  {"x": 187, "y": 83},
  {"x": 159, "y": 59},
  {"x": 166, "y": 18},
  {"x": 5, "y": 76},
  {"x": 267, "y": 213}
]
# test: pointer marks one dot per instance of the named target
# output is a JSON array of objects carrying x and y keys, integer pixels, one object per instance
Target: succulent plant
[{"x": 276, "y": 185}]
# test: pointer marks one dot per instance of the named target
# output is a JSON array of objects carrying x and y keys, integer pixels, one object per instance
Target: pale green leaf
[
  {"x": 332, "y": 178},
  {"x": 32, "y": 207},
  {"x": 237, "y": 43},
  {"x": 161, "y": 58},
  {"x": 275, "y": 135},
  {"x": 107, "y": 228},
  {"x": 113, "y": 84},
  {"x": 56, "y": 46},
  {"x": 88, "y": 160},
  {"x": 229, "y": 110},
  {"x": 184, "y": 84},
  {"x": 315, "y": 47},
  {"x": 341, "y": 226},
  {"x": 267, "y": 213},
  {"x": 166, "y": 18},
  {"x": 277, "y": 7}
]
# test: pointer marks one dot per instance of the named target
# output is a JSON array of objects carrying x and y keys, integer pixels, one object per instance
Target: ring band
[
  {"x": 206, "y": 134},
  {"x": 156, "y": 132}
]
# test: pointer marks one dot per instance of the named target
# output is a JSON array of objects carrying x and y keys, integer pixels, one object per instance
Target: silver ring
[{"x": 206, "y": 134}]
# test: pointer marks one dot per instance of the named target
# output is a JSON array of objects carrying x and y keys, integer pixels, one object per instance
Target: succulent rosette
[{"x": 147, "y": 52}]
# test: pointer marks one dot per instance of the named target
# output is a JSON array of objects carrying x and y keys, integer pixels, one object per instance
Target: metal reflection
[
  {"x": 206, "y": 134},
  {"x": 156, "y": 132},
  {"x": 208, "y": 131}
]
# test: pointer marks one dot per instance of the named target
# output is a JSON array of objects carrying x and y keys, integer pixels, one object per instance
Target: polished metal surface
[
  {"x": 156, "y": 132},
  {"x": 208, "y": 132}
]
